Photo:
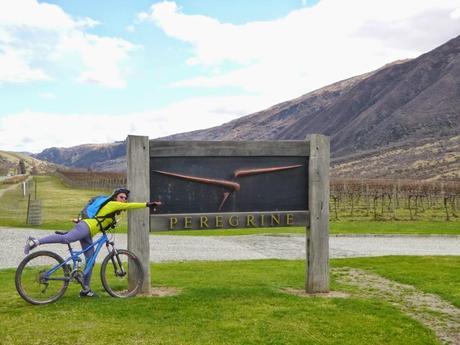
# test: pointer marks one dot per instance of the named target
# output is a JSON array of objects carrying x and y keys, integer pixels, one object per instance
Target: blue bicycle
[{"x": 43, "y": 276}]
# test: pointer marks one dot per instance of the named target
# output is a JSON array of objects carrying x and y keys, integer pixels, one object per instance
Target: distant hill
[
  {"x": 9, "y": 163},
  {"x": 104, "y": 157},
  {"x": 403, "y": 105}
]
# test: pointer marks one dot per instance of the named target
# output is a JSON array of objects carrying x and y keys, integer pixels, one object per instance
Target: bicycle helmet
[{"x": 119, "y": 191}]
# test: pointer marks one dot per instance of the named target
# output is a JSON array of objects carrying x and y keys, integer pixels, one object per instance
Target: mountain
[
  {"x": 405, "y": 106},
  {"x": 398, "y": 104},
  {"x": 104, "y": 157}
]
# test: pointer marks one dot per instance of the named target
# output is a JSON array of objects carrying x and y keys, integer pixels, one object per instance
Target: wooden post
[
  {"x": 138, "y": 183},
  {"x": 393, "y": 203},
  {"x": 317, "y": 277}
]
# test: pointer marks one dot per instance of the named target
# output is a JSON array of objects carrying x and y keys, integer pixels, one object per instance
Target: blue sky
[{"x": 76, "y": 72}]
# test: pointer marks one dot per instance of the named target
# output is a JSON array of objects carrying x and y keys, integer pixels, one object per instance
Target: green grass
[
  {"x": 438, "y": 275},
  {"x": 221, "y": 303},
  {"x": 396, "y": 227},
  {"x": 61, "y": 203}
]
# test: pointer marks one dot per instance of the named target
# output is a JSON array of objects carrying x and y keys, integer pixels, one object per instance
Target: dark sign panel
[{"x": 229, "y": 184}]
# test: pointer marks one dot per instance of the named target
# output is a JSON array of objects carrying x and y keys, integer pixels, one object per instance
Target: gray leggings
[{"x": 79, "y": 233}]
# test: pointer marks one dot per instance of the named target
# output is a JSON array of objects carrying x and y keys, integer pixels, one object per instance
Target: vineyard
[
  {"x": 92, "y": 179},
  {"x": 350, "y": 199},
  {"x": 394, "y": 199}
]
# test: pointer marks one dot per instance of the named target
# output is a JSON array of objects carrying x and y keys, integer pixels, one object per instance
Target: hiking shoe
[
  {"x": 31, "y": 243},
  {"x": 88, "y": 293}
]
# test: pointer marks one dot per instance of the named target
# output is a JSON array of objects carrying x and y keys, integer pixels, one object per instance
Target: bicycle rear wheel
[
  {"x": 35, "y": 283},
  {"x": 122, "y": 274}
]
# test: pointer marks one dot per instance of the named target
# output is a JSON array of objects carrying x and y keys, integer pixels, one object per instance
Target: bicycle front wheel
[
  {"x": 122, "y": 274},
  {"x": 38, "y": 280}
]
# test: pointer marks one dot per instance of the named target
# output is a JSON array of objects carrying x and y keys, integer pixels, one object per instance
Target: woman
[{"x": 86, "y": 229}]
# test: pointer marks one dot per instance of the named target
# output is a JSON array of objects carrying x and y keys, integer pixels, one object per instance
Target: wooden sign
[{"x": 233, "y": 184}]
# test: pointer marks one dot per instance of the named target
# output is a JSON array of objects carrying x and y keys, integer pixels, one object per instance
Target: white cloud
[
  {"x": 14, "y": 67},
  {"x": 35, "y": 131},
  {"x": 48, "y": 95},
  {"x": 30, "y": 13},
  {"x": 455, "y": 14},
  {"x": 100, "y": 55},
  {"x": 130, "y": 28},
  {"x": 311, "y": 47},
  {"x": 36, "y": 34}
]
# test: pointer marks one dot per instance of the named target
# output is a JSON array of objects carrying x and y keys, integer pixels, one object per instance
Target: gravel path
[{"x": 250, "y": 247}]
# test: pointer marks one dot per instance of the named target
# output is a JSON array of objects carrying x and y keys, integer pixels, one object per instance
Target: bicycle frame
[{"x": 75, "y": 257}]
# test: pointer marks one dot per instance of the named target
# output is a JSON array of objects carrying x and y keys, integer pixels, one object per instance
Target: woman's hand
[{"x": 153, "y": 204}]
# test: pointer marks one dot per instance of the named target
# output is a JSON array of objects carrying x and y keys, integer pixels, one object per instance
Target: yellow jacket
[{"x": 110, "y": 207}]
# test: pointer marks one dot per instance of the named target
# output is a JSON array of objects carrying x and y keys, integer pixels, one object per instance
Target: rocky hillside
[
  {"x": 398, "y": 104},
  {"x": 426, "y": 160}
]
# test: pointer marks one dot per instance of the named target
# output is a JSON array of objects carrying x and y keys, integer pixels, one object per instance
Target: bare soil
[
  {"x": 162, "y": 291},
  {"x": 303, "y": 293}
]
